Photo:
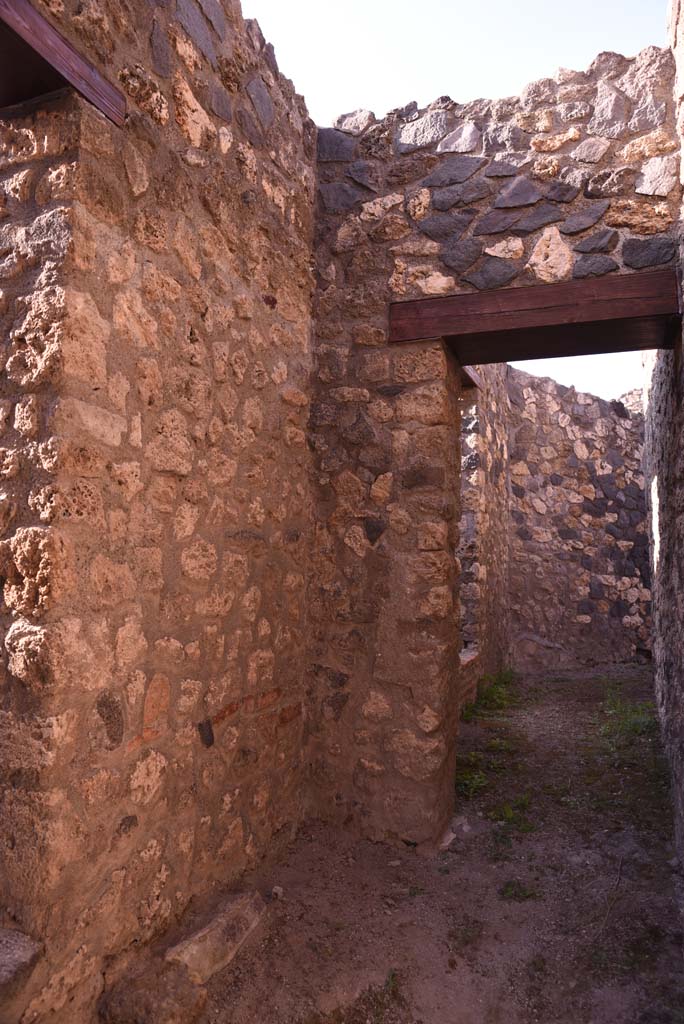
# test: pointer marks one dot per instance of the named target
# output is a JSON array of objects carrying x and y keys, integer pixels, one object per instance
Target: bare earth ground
[{"x": 555, "y": 902}]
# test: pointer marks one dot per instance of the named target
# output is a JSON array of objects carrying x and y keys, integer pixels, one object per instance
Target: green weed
[{"x": 515, "y": 890}]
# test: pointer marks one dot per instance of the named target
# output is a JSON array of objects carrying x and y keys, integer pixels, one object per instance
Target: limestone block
[
  {"x": 74, "y": 418},
  {"x": 551, "y": 258},
  {"x": 424, "y": 131},
  {"x": 18, "y": 956},
  {"x": 466, "y": 138},
  {"x": 216, "y": 945}
]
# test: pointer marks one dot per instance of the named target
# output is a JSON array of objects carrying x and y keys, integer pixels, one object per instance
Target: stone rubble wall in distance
[
  {"x": 579, "y": 585},
  {"x": 156, "y": 301}
]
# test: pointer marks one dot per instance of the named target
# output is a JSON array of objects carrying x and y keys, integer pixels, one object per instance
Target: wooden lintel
[
  {"x": 59, "y": 57},
  {"x": 569, "y": 318},
  {"x": 470, "y": 379}
]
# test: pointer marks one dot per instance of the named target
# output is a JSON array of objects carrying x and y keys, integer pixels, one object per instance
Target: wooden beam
[
  {"x": 592, "y": 301},
  {"x": 470, "y": 379},
  {"x": 630, "y": 335},
  {"x": 31, "y": 27}
]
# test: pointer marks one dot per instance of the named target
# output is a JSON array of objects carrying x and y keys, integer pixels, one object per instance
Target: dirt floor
[{"x": 554, "y": 903}]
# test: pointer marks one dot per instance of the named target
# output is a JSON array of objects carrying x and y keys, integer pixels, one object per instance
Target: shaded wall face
[
  {"x": 664, "y": 433},
  {"x": 580, "y": 575},
  {"x": 157, "y": 325},
  {"x": 483, "y": 548}
]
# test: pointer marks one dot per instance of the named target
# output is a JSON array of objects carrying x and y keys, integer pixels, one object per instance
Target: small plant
[
  {"x": 470, "y": 782},
  {"x": 513, "y": 816},
  {"x": 515, "y": 890},
  {"x": 494, "y": 694},
  {"x": 627, "y": 720}
]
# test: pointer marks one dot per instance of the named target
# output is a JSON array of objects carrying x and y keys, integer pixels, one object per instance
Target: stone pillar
[{"x": 384, "y": 594}]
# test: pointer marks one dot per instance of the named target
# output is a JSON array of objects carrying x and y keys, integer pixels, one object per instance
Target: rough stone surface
[
  {"x": 579, "y": 571},
  {"x": 658, "y": 176},
  {"x": 594, "y": 266},
  {"x": 648, "y": 252},
  {"x": 225, "y": 496},
  {"x": 465, "y": 139}
]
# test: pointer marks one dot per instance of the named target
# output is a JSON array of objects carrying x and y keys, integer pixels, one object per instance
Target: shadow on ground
[{"x": 554, "y": 903}]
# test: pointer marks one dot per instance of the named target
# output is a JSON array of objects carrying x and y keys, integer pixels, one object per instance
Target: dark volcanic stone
[
  {"x": 206, "y": 733},
  {"x": 365, "y": 173},
  {"x": 193, "y": 21},
  {"x": 334, "y": 145},
  {"x": 543, "y": 214},
  {"x": 562, "y": 192},
  {"x": 219, "y": 101},
  {"x": 443, "y": 226},
  {"x": 520, "y": 192},
  {"x": 453, "y": 171},
  {"x": 216, "y": 15},
  {"x": 496, "y": 221},
  {"x": 493, "y": 273},
  {"x": 340, "y": 198},
  {"x": 459, "y": 256},
  {"x": 161, "y": 50},
  {"x": 250, "y": 127},
  {"x": 648, "y": 252},
  {"x": 262, "y": 102},
  {"x": 602, "y": 241},
  {"x": 502, "y": 169},
  {"x": 460, "y": 195},
  {"x": 18, "y": 956},
  {"x": 585, "y": 218},
  {"x": 374, "y": 528},
  {"x": 593, "y": 266},
  {"x": 108, "y": 707}
]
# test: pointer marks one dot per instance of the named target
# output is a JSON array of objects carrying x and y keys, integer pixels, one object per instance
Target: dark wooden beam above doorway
[
  {"x": 622, "y": 313},
  {"x": 35, "y": 60}
]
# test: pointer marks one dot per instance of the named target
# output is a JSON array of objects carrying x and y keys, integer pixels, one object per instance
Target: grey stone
[
  {"x": 539, "y": 217},
  {"x": 215, "y": 13},
  {"x": 648, "y": 252},
  {"x": 590, "y": 151},
  {"x": 593, "y": 266},
  {"x": 493, "y": 273},
  {"x": 519, "y": 192},
  {"x": 659, "y": 175},
  {"x": 454, "y": 171},
  {"x": 18, "y": 956},
  {"x": 497, "y": 137},
  {"x": 355, "y": 123},
  {"x": 460, "y": 195},
  {"x": 611, "y": 112},
  {"x": 341, "y": 198},
  {"x": 459, "y": 256},
  {"x": 584, "y": 219},
  {"x": 562, "y": 192},
  {"x": 425, "y": 131},
  {"x": 334, "y": 146},
  {"x": 162, "y": 62},
  {"x": 219, "y": 101},
  {"x": 648, "y": 115},
  {"x": 602, "y": 241},
  {"x": 464, "y": 139},
  {"x": 365, "y": 173},
  {"x": 540, "y": 93},
  {"x": 262, "y": 102},
  {"x": 610, "y": 182},
  {"x": 443, "y": 226},
  {"x": 578, "y": 110},
  {"x": 193, "y": 21},
  {"x": 497, "y": 221}
]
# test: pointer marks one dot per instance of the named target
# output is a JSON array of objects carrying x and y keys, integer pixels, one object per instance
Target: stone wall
[
  {"x": 484, "y": 546},
  {"x": 579, "y": 575},
  {"x": 156, "y": 310},
  {"x": 664, "y": 433},
  {"x": 576, "y": 178}
]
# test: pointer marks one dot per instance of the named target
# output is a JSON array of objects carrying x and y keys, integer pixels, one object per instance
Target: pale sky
[{"x": 381, "y": 54}]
